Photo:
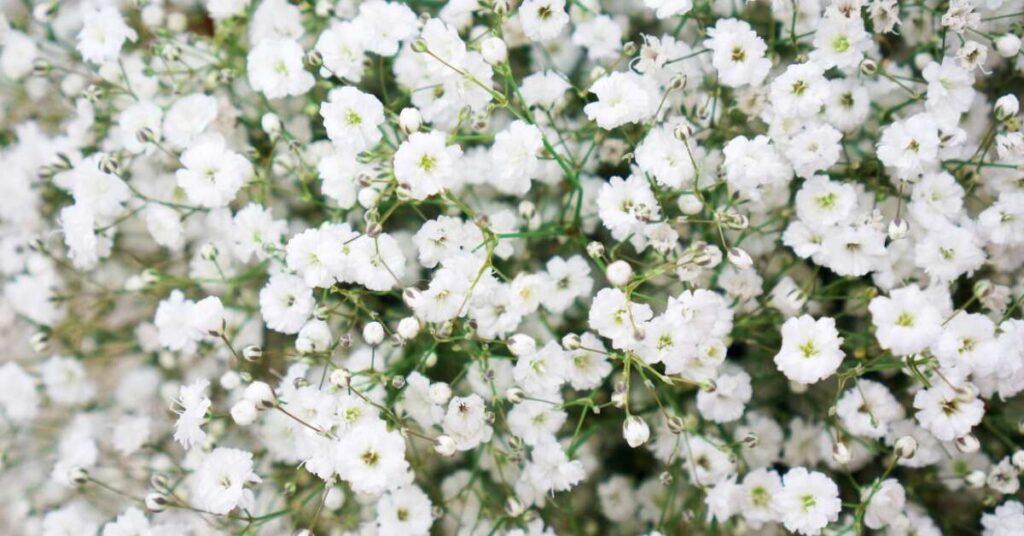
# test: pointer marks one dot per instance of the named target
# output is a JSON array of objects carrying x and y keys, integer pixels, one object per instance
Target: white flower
[
  {"x": 622, "y": 97},
  {"x": 225, "y": 9},
  {"x": 906, "y": 322},
  {"x": 968, "y": 343},
  {"x": 191, "y": 407},
  {"x": 810, "y": 349},
  {"x": 948, "y": 412},
  {"x": 387, "y": 24},
  {"x": 544, "y": 89},
  {"x": 664, "y": 9},
  {"x": 808, "y": 501},
  {"x": 886, "y": 504},
  {"x": 372, "y": 459},
  {"x": 543, "y": 20},
  {"x": 188, "y": 117},
  {"x": 286, "y": 302},
  {"x": 840, "y": 41},
  {"x": 103, "y": 33},
  {"x": 635, "y": 431},
  {"x": 614, "y": 316},
  {"x": 352, "y": 118},
  {"x": 601, "y": 36},
  {"x": 466, "y": 422},
  {"x": 867, "y": 409},
  {"x": 426, "y": 164},
  {"x": 213, "y": 174},
  {"x": 753, "y": 165},
  {"x": 405, "y": 511},
  {"x": 910, "y": 146},
  {"x": 1006, "y": 520},
  {"x": 221, "y": 479},
  {"x": 800, "y": 91},
  {"x": 342, "y": 46},
  {"x": 757, "y": 496},
  {"x": 728, "y": 399},
  {"x": 515, "y": 157},
  {"x": 738, "y": 54},
  {"x": 66, "y": 381},
  {"x": 275, "y": 68},
  {"x": 18, "y": 396}
]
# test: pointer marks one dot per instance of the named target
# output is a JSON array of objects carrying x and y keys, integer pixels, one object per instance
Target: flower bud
[
  {"x": 341, "y": 377},
  {"x": 271, "y": 124},
  {"x": 439, "y": 393},
  {"x": 514, "y": 395},
  {"x": 156, "y": 502},
  {"x": 635, "y": 431},
  {"x": 444, "y": 445},
  {"x": 898, "y": 229},
  {"x": 520, "y": 345},
  {"x": 868, "y": 67},
  {"x": 40, "y": 340},
  {"x": 619, "y": 273},
  {"x": 841, "y": 453},
  {"x": 252, "y": 353},
  {"x": 595, "y": 250},
  {"x": 410, "y": 120},
  {"x": 260, "y": 394},
  {"x": 108, "y": 164},
  {"x": 494, "y": 50},
  {"x": 209, "y": 251},
  {"x": 571, "y": 342},
  {"x": 408, "y": 327},
  {"x": 244, "y": 412},
  {"x": 975, "y": 479},
  {"x": 1006, "y": 107},
  {"x": 419, "y": 46},
  {"x": 906, "y": 447},
  {"x": 501, "y": 7},
  {"x": 982, "y": 289},
  {"x": 373, "y": 333},
  {"x": 314, "y": 59},
  {"x": 78, "y": 476},
  {"x": 513, "y": 507},
  {"x": 1008, "y": 45},
  {"x": 230, "y": 380},
  {"x": 967, "y": 443},
  {"x": 675, "y": 424},
  {"x": 739, "y": 258},
  {"x": 410, "y": 296},
  {"x": 689, "y": 204}
]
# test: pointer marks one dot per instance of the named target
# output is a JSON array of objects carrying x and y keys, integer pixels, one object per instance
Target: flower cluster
[{"x": 511, "y": 267}]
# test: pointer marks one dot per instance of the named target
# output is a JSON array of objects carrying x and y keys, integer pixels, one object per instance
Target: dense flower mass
[{"x": 511, "y": 267}]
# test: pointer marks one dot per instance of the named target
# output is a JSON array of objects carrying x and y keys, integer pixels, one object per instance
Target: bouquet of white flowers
[{"x": 502, "y": 267}]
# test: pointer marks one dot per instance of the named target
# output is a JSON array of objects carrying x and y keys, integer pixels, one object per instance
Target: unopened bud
[
  {"x": 619, "y": 273},
  {"x": 571, "y": 342},
  {"x": 341, "y": 377},
  {"x": 739, "y": 258},
  {"x": 898, "y": 229},
  {"x": 314, "y": 59},
  {"x": 906, "y": 447},
  {"x": 252, "y": 353},
  {"x": 109, "y": 165},
  {"x": 156, "y": 502},
  {"x": 444, "y": 445},
  {"x": 521, "y": 344},
  {"x": 967, "y": 443},
  {"x": 40, "y": 340},
  {"x": 841, "y": 453}
]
